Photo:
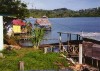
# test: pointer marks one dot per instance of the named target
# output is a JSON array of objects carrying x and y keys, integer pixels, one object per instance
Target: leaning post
[{"x": 1, "y": 33}]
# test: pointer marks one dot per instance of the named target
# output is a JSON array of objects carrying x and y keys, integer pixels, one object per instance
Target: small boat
[{"x": 43, "y": 23}]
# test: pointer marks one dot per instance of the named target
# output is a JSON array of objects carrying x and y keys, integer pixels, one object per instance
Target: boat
[{"x": 43, "y": 22}]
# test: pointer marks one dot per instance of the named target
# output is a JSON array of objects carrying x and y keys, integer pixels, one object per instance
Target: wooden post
[
  {"x": 69, "y": 36},
  {"x": 77, "y": 37},
  {"x": 21, "y": 65},
  {"x": 92, "y": 56},
  {"x": 92, "y": 61},
  {"x": 51, "y": 49},
  {"x": 97, "y": 63},
  {"x": 80, "y": 54},
  {"x": 45, "y": 50},
  {"x": 1, "y": 33},
  {"x": 68, "y": 42},
  {"x": 68, "y": 39},
  {"x": 84, "y": 59},
  {"x": 60, "y": 41}
]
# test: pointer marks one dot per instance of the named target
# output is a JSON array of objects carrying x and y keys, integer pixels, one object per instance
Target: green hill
[{"x": 64, "y": 12}]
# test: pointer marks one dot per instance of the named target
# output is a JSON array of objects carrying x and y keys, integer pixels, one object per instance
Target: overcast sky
[{"x": 54, "y": 4}]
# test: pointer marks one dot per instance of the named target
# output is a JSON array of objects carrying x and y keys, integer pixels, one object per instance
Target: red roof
[{"x": 18, "y": 22}]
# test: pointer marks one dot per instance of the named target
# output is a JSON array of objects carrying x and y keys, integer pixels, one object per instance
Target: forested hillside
[
  {"x": 64, "y": 12},
  {"x": 18, "y": 9}
]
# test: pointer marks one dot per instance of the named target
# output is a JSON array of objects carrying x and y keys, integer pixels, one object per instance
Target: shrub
[{"x": 9, "y": 52}]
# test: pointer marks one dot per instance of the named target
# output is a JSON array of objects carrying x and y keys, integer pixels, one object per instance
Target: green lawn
[{"x": 33, "y": 60}]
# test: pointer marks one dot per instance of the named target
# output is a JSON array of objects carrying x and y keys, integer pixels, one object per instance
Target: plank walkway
[{"x": 91, "y": 50}]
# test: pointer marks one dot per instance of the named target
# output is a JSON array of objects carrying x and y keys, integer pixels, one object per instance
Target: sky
[{"x": 69, "y": 4}]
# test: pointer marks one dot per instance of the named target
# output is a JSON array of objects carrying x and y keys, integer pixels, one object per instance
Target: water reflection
[{"x": 25, "y": 43}]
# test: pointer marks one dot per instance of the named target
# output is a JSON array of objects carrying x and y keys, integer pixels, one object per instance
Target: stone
[
  {"x": 1, "y": 55},
  {"x": 5, "y": 46},
  {"x": 15, "y": 47},
  {"x": 11, "y": 47}
]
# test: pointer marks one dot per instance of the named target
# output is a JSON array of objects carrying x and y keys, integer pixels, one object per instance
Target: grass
[{"x": 33, "y": 60}]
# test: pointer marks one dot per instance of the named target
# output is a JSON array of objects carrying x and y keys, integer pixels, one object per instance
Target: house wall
[{"x": 16, "y": 29}]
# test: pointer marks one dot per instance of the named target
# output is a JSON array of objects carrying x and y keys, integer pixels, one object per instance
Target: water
[
  {"x": 71, "y": 24},
  {"x": 25, "y": 43}
]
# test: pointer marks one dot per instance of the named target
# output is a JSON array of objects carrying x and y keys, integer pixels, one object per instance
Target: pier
[{"x": 87, "y": 51}]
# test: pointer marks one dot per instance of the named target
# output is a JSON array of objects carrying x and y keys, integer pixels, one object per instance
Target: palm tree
[{"x": 37, "y": 36}]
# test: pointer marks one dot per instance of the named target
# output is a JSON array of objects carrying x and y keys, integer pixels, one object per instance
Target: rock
[
  {"x": 11, "y": 47},
  {"x": 5, "y": 46},
  {"x": 15, "y": 47},
  {"x": 1, "y": 55}
]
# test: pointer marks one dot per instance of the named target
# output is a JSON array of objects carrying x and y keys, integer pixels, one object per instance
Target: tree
[{"x": 13, "y": 7}]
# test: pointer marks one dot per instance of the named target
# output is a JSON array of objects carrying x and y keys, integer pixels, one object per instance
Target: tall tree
[{"x": 14, "y": 7}]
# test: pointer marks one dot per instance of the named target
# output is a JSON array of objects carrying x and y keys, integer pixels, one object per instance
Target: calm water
[{"x": 70, "y": 24}]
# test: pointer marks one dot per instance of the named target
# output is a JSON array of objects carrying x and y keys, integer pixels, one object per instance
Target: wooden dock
[{"x": 90, "y": 48}]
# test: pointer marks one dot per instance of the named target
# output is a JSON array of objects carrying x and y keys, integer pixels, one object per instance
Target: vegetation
[
  {"x": 19, "y": 10},
  {"x": 37, "y": 36},
  {"x": 13, "y": 8},
  {"x": 11, "y": 40},
  {"x": 92, "y": 12},
  {"x": 64, "y": 12},
  {"x": 33, "y": 60}
]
